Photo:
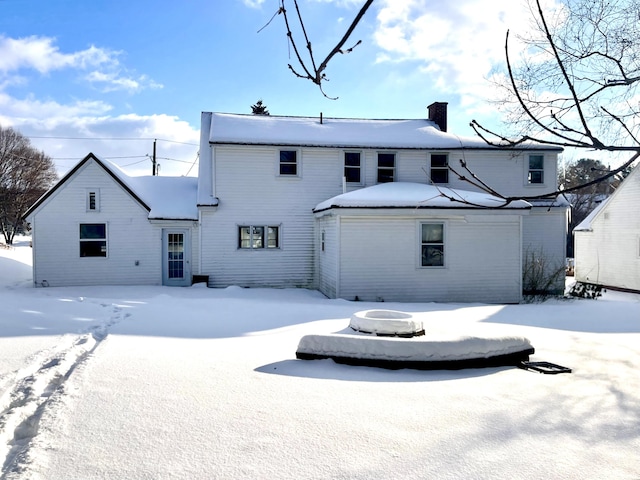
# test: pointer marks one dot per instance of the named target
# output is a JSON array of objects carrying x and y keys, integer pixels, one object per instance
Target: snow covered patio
[
  {"x": 395, "y": 340},
  {"x": 184, "y": 383}
]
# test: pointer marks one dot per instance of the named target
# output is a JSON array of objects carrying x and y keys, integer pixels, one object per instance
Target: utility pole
[{"x": 153, "y": 160}]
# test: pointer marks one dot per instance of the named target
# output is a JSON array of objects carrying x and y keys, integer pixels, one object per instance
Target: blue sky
[{"x": 108, "y": 76}]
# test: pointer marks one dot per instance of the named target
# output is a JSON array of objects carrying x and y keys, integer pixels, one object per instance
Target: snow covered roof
[
  {"x": 166, "y": 198},
  {"x": 559, "y": 201},
  {"x": 585, "y": 225},
  {"x": 339, "y": 132},
  {"x": 415, "y": 195},
  {"x": 170, "y": 198}
]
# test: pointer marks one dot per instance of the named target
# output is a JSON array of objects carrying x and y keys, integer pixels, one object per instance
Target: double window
[
  {"x": 93, "y": 240},
  {"x": 432, "y": 244},
  {"x": 536, "y": 170},
  {"x": 352, "y": 167},
  {"x": 386, "y": 167},
  {"x": 254, "y": 237},
  {"x": 288, "y": 162},
  {"x": 439, "y": 168}
]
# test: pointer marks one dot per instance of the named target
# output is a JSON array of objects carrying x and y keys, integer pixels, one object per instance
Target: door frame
[{"x": 185, "y": 280}]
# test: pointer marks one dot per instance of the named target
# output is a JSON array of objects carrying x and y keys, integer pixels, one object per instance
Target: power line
[{"x": 113, "y": 138}]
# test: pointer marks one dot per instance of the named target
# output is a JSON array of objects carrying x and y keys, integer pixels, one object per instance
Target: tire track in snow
[{"x": 35, "y": 388}]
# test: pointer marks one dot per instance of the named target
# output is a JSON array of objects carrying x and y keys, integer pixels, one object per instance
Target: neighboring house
[
  {"x": 607, "y": 242},
  {"x": 364, "y": 209}
]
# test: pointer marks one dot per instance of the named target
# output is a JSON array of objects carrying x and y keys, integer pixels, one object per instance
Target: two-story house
[{"x": 358, "y": 209}]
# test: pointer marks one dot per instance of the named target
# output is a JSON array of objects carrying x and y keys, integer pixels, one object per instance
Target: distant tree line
[{"x": 25, "y": 174}]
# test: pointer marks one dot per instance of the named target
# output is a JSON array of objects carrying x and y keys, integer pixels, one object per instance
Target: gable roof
[
  {"x": 241, "y": 129},
  {"x": 585, "y": 225},
  {"x": 165, "y": 198},
  {"x": 416, "y": 195}
]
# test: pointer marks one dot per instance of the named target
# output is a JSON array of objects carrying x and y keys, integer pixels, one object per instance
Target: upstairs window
[
  {"x": 386, "y": 167},
  {"x": 439, "y": 168},
  {"x": 93, "y": 240},
  {"x": 93, "y": 200},
  {"x": 536, "y": 169},
  {"x": 289, "y": 162},
  {"x": 432, "y": 244},
  {"x": 352, "y": 167},
  {"x": 253, "y": 237}
]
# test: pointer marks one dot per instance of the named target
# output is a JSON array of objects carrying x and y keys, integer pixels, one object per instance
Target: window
[
  {"x": 288, "y": 162},
  {"x": 536, "y": 169},
  {"x": 386, "y": 167},
  {"x": 93, "y": 240},
  {"x": 250, "y": 237},
  {"x": 93, "y": 200},
  {"x": 352, "y": 167},
  {"x": 432, "y": 244},
  {"x": 439, "y": 168},
  {"x": 175, "y": 257}
]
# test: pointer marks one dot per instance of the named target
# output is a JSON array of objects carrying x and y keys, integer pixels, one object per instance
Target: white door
[{"x": 176, "y": 258}]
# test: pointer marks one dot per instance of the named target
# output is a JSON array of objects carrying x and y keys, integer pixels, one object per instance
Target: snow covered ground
[{"x": 197, "y": 383}]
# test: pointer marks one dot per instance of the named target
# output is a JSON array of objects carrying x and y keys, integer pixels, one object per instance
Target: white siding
[
  {"x": 252, "y": 193},
  {"x": 328, "y": 257},
  {"x": 610, "y": 253},
  {"x": 504, "y": 171},
  {"x": 545, "y": 236},
  {"x": 379, "y": 259},
  {"x": 130, "y": 236}
]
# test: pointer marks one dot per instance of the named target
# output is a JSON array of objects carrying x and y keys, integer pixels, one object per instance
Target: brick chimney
[{"x": 438, "y": 114}]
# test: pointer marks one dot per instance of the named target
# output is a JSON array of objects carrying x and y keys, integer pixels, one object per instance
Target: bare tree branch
[{"x": 310, "y": 71}]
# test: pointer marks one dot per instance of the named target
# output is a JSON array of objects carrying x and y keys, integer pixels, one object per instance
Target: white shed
[{"x": 607, "y": 242}]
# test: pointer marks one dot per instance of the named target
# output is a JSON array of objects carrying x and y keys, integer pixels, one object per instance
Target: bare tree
[
  {"x": 25, "y": 174},
  {"x": 307, "y": 66},
  {"x": 577, "y": 86}
]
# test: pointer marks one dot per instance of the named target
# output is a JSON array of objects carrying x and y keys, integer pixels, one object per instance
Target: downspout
[
  {"x": 33, "y": 251},
  {"x": 521, "y": 218},
  {"x": 338, "y": 252},
  {"x": 200, "y": 241}
]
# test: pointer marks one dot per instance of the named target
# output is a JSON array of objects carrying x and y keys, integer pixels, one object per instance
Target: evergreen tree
[{"x": 259, "y": 108}]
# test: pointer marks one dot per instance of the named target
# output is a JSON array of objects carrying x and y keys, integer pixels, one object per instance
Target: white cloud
[
  {"x": 68, "y": 132},
  {"x": 48, "y": 110},
  {"x": 457, "y": 44},
  {"x": 112, "y": 81},
  {"x": 253, "y": 3},
  {"x": 42, "y": 55}
]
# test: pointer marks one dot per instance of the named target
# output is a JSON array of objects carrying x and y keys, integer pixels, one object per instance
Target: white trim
[
  {"x": 96, "y": 199},
  {"x": 425, "y": 221},
  {"x": 446, "y": 167},
  {"x": 395, "y": 164},
  {"x": 298, "y": 173},
  {"x": 527, "y": 170},
  {"x": 265, "y": 236},
  {"x": 361, "y": 167},
  {"x": 106, "y": 239}
]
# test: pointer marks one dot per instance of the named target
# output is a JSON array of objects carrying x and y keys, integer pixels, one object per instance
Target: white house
[
  {"x": 355, "y": 208},
  {"x": 607, "y": 242},
  {"x": 98, "y": 225}
]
